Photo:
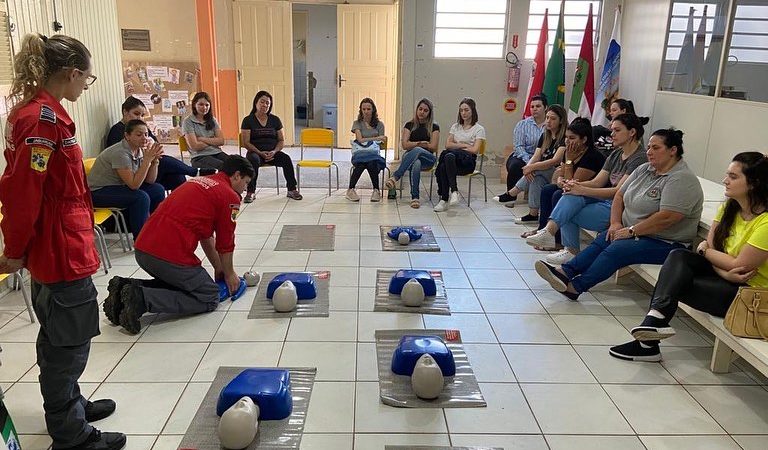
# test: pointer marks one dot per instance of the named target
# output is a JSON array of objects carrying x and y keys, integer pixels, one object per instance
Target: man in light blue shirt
[{"x": 526, "y": 135}]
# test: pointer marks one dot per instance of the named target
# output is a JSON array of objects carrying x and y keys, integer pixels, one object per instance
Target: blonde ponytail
[{"x": 39, "y": 58}]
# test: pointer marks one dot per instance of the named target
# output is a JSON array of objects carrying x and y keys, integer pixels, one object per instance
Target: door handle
[
  {"x": 239, "y": 75},
  {"x": 341, "y": 80}
]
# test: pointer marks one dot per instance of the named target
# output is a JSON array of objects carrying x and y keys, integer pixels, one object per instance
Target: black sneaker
[
  {"x": 633, "y": 351},
  {"x": 504, "y": 198},
  {"x": 113, "y": 304},
  {"x": 527, "y": 219},
  {"x": 133, "y": 307},
  {"x": 551, "y": 275},
  {"x": 99, "y": 441},
  {"x": 100, "y": 409},
  {"x": 652, "y": 329}
]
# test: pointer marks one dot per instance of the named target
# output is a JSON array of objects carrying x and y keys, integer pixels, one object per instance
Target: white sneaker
[
  {"x": 559, "y": 258},
  {"x": 376, "y": 195},
  {"x": 352, "y": 196},
  {"x": 441, "y": 206},
  {"x": 542, "y": 238},
  {"x": 454, "y": 198}
]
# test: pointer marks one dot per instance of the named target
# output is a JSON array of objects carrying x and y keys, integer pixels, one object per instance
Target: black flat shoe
[
  {"x": 100, "y": 409},
  {"x": 633, "y": 351},
  {"x": 99, "y": 441}
]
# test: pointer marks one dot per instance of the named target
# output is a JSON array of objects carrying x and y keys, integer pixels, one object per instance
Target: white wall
[
  {"x": 446, "y": 81},
  {"x": 321, "y": 55}
]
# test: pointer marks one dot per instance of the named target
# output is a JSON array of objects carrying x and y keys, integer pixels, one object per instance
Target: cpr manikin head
[{"x": 239, "y": 424}]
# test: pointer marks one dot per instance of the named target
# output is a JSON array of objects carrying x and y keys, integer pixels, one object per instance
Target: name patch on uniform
[
  {"x": 40, "y": 156},
  {"x": 69, "y": 142},
  {"x": 40, "y": 141},
  {"x": 234, "y": 210},
  {"x": 653, "y": 193},
  {"x": 47, "y": 114}
]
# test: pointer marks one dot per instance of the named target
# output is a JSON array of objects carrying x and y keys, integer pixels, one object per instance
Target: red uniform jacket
[
  {"x": 47, "y": 208},
  {"x": 193, "y": 212}
]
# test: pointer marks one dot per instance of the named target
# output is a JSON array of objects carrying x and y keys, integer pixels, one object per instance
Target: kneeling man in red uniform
[{"x": 195, "y": 212}]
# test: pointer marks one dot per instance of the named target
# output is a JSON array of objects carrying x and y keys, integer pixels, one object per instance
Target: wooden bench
[{"x": 753, "y": 351}]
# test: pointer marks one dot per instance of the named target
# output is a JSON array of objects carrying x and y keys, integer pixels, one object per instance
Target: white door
[
  {"x": 263, "y": 57},
  {"x": 367, "y": 47}
]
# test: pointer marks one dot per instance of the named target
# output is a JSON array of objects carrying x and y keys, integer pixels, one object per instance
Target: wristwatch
[{"x": 632, "y": 232}]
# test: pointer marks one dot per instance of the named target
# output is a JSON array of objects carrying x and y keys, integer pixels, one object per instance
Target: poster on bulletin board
[{"x": 166, "y": 90}]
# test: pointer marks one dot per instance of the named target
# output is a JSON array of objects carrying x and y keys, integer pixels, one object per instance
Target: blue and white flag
[{"x": 608, "y": 86}]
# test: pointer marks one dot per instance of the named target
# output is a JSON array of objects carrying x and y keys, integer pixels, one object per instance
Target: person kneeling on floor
[{"x": 165, "y": 249}]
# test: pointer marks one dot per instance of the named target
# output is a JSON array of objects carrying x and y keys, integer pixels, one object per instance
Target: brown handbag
[{"x": 748, "y": 314}]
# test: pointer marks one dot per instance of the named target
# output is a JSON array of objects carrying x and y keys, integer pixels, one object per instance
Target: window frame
[{"x": 502, "y": 43}]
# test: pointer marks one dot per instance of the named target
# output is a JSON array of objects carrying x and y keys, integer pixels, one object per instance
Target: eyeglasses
[{"x": 90, "y": 79}]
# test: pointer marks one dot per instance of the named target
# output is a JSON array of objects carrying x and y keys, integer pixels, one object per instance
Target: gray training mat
[
  {"x": 202, "y": 433},
  {"x": 384, "y": 301},
  {"x": 429, "y": 447},
  {"x": 315, "y": 307},
  {"x": 460, "y": 391},
  {"x": 427, "y": 242},
  {"x": 306, "y": 237}
]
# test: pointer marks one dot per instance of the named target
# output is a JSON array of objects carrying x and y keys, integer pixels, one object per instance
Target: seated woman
[
  {"x": 617, "y": 107},
  {"x": 170, "y": 172},
  {"x": 460, "y": 155},
  {"x": 203, "y": 134},
  {"x": 654, "y": 212},
  {"x": 540, "y": 168},
  {"x": 262, "y": 136},
  {"x": 368, "y": 129},
  {"x": 123, "y": 176},
  {"x": 734, "y": 254},
  {"x": 581, "y": 162},
  {"x": 419, "y": 140},
  {"x": 587, "y": 204},
  {"x": 526, "y": 137}
]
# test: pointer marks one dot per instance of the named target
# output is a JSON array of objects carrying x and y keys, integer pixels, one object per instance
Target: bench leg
[{"x": 721, "y": 357}]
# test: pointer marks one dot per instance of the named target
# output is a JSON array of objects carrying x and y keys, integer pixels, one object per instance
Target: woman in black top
[
  {"x": 262, "y": 136},
  {"x": 171, "y": 172}
]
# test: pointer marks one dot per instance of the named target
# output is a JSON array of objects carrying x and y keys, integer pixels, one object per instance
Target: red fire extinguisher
[{"x": 513, "y": 72}]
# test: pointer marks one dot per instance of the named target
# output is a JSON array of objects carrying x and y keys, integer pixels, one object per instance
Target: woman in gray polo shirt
[
  {"x": 123, "y": 176},
  {"x": 654, "y": 212},
  {"x": 203, "y": 134}
]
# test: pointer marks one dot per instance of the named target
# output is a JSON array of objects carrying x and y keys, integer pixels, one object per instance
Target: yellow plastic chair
[
  {"x": 184, "y": 147},
  {"x": 277, "y": 172},
  {"x": 105, "y": 213},
  {"x": 317, "y": 137},
  {"x": 18, "y": 280},
  {"x": 478, "y": 172}
]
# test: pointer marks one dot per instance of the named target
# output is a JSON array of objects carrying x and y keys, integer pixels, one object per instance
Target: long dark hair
[
  {"x": 582, "y": 128},
  {"x": 560, "y": 134},
  {"x": 256, "y": 100},
  {"x": 374, "y": 114},
  {"x": 754, "y": 166},
  {"x": 208, "y": 117},
  {"x": 632, "y": 122},
  {"x": 472, "y": 105},
  {"x": 428, "y": 125},
  {"x": 131, "y": 103}
]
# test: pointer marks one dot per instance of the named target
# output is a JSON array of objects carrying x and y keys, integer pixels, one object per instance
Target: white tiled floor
[{"x": 542, "y": 362}]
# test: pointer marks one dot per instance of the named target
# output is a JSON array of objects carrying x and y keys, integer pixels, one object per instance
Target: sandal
[
  {"x": 415, "y": 204},
  {"x": 390, "y": 183},
  {"x": 547, "y": 249}
]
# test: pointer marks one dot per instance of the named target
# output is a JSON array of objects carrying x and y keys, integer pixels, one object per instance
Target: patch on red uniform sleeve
[
  {"x": 40, "y": 156},
  {"x": 38, "y": 141},
  {"x": 47, "y": 114},
  {"x": 234, "y": 210}
]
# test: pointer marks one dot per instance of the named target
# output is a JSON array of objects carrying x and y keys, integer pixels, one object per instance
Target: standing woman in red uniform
[{"x": 48, "y": 228}]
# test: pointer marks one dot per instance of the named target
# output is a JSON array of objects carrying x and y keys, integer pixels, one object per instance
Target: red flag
[
  {"x": 536, "y": 83},
  {"x": 583, "y": 93}
]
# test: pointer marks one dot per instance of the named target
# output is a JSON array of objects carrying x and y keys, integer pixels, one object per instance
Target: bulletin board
[{"x": 166, "y": 89}]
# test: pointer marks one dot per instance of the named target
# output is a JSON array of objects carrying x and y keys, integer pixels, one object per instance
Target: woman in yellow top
[{"x": 734, "y": 254}]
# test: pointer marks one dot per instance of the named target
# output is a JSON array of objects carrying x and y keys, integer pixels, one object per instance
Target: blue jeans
[
  {"x": 540, "y": 179},
  {"x": 415, "y": 160},
  {"x": 576, "y": 211},
  {"x": 138, "y": 204},
  {"x": 550, "y": 196},
  {"x": 602, "y": 258},
  {"x": 171, "y": 172}
]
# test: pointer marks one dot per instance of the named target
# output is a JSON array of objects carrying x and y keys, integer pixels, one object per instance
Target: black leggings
[
  {"x": 688, "y": 277},
  {"x": 281, "y": 159},
  {"x": 210, "y": 161},
  {"x": 357, "y": 171},
  {"x": 452, "y": 162},
  {"x": 514, "y": 171}
]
